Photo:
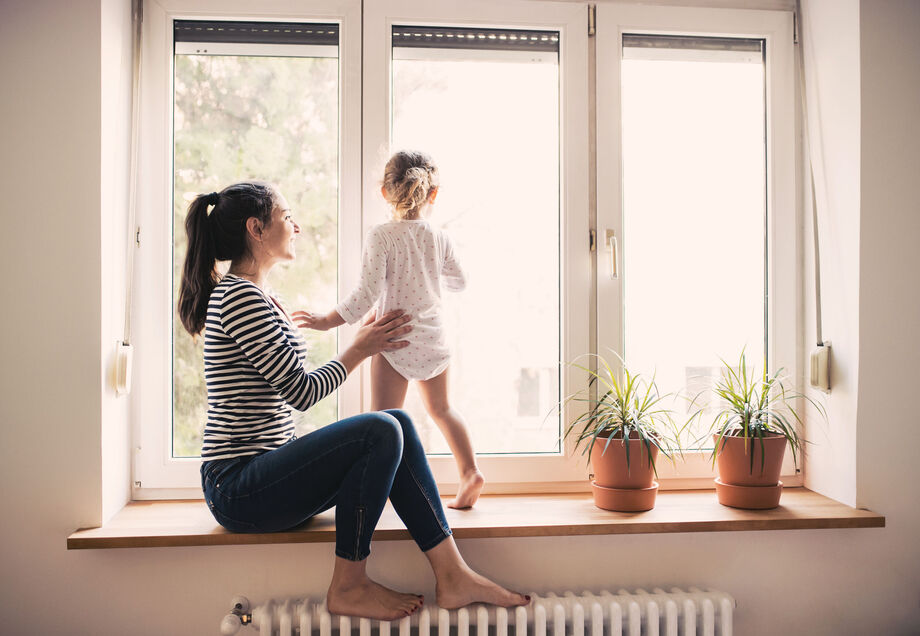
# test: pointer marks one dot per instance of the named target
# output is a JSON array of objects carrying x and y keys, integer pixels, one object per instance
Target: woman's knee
[
  {"x": 402, "y": 418},
  {"x": 386, "y": 429},
  {"x": 405, "y": 423}
]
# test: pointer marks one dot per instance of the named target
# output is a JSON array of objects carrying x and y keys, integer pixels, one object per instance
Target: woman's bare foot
[
  {"x": 352, "y": 593},
  {"x": 458, "y": 585},
  {"x": 464, "y": 586},
  {"x": 372, "y": 600},
  {"x": 468, "y": 492}
]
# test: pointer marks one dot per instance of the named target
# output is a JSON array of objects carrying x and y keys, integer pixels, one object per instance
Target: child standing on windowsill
[{"x": 406, "y": 263}]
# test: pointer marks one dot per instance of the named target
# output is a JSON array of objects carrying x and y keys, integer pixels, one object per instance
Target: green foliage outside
[{"x": 271, "y": 119}]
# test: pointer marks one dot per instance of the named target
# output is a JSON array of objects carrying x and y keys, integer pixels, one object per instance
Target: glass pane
[
  {"x": 694, "y": 205},
  {"x": 273, "y": 119},
  {"x": 490, "y": 120}
]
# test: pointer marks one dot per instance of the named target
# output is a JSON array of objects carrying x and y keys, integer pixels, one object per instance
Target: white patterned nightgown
[{"x": 405, "y": 265}]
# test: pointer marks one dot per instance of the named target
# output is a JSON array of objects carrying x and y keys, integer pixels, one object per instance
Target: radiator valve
[{"x": 239, "y": 616}]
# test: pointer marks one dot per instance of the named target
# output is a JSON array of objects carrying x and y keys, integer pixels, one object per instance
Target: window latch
[{"x": 611, "y": 242}]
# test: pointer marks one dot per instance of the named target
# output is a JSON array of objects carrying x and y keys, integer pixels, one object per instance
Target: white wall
[
  {"x": 889, "y": 300},
  {"x": 830, "y": 36},
  {"x": 50, "y": 176},
  {"x": 58, "y": 328}
]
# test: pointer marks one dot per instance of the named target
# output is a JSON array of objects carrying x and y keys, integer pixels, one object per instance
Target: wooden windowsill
[{"x": 150, "y": 524}]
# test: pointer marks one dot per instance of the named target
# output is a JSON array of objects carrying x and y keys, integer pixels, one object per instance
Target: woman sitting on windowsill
[{"x": 256, "y": 476}]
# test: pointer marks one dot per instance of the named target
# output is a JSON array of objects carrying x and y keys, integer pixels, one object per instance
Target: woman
[{"x": 256, "y": 476}]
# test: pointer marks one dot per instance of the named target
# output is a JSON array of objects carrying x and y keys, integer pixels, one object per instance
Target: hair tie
[{"x": 212, "y": 198}]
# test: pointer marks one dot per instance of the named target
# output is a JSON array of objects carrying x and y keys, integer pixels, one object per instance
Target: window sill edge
[{"x": 146, "y": 524}]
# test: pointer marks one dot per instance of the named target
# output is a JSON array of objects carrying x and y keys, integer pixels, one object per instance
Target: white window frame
[
  {"x": 519, "y": 472},
  {"x": 156, "y": 474},
  {"x": 694, "y": 470},
  {"x": 364, "y": 103}
]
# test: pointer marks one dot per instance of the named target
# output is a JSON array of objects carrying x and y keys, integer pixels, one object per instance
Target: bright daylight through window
[{"x": 694, "y": 209}]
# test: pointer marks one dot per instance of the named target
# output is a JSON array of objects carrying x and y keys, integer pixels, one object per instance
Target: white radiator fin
[{"x": 691, "y": 612}]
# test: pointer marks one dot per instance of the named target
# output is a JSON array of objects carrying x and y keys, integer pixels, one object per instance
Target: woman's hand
[
  {"x": 319, "y": 322},
  {"x": 377, "y": 335}
]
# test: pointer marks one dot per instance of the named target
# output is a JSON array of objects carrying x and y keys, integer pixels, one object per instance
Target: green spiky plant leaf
[
  {"x": 755, "y": 407},
  {"x": 625, "y": 405}
]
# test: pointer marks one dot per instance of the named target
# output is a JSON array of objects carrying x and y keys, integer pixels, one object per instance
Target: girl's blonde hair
[{"x": 408, "y": 179}]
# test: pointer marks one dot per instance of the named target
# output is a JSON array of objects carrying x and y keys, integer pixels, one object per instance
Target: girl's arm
[
  {"x": 360, "y": 301},
  {"x": 319, "y": 322},
  {"x": 373, "y": 277},
  {"x": 451, "y": 272}
]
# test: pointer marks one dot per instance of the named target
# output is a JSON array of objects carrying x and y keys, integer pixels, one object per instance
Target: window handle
[{"x": 611, "y": 241}]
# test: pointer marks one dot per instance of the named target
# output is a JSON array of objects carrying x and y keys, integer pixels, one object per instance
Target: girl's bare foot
[
  {"x": 464, "y": 586},
  {"x": 468, "y": 492},
  {"x": 352, "y": 593}
]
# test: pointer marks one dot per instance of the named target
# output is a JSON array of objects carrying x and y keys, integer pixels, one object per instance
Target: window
[
  {"x": 274, "y": 96},
  {"x": 504, "y": 117},
  {"x": 277, "y": 99},
  {"x": 695, "y": 182},
  {"x": 257, "y": 100},
  {"x": 695, "y": 165},
  {"x": 485, "y": 104}
]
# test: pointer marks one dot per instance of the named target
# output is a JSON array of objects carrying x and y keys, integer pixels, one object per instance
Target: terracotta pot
[
  {"x": 734, "y": 460},
  {"x": 609, "y": 464},
  {"x": 749, "y": 497},
  {"x": 625, "y": 499}
]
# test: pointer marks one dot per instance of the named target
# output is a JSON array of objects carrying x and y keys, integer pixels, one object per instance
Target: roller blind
[
  {"x": 475, "y": 38},
  {"x": 680, "y": 47},
  {"x": 256, "y": 32}
]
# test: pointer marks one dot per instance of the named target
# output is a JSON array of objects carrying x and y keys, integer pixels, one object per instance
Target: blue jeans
[{"x": 354, "y": 465}]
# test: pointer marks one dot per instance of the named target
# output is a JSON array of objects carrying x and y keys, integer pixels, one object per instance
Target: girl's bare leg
[
  {"x": 352, "y": 593},
  {"x": 388, "y": 387},
  {"x": 434, "y": 395},
  {"x": 458, "y": 585}
]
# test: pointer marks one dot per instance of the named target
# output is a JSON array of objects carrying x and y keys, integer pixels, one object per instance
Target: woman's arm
[{"x": 247, "y": 317}]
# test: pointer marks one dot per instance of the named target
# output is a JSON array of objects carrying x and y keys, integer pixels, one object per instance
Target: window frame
[
  {"x": 156, "y": 474},
  {"x": 364, "y": 72},
  {"x": 694, "y": 469},
  {"x": 519, "y": 473}
]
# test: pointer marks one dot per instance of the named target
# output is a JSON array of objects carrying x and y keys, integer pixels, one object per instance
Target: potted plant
[
  {"x": 750, "y": 434},
  {"x": 623, "y": 431}
]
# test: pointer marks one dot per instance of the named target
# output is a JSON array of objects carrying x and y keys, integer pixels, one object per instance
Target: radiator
[{"x": 676, "y": 612}]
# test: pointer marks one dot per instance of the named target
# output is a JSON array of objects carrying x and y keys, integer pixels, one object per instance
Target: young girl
[{"x": 406, "y": 263}]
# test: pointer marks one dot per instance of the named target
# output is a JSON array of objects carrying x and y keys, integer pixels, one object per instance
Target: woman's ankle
[{"x": 347, "y": 573}]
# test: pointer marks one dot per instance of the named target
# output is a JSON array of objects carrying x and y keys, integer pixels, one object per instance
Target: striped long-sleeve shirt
[{"x": 254, "y": 369}]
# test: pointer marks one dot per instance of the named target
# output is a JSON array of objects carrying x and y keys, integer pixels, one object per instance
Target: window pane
[
  {"x": 694, "y": 210},
  {"x": 490, "y": 120},
  {"x": 240, "y": 117}
]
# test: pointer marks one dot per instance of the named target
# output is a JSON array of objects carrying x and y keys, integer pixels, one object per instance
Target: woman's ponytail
[
  {"x": 219, "y": 236},
  {"x": 199, "y": 274}
]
